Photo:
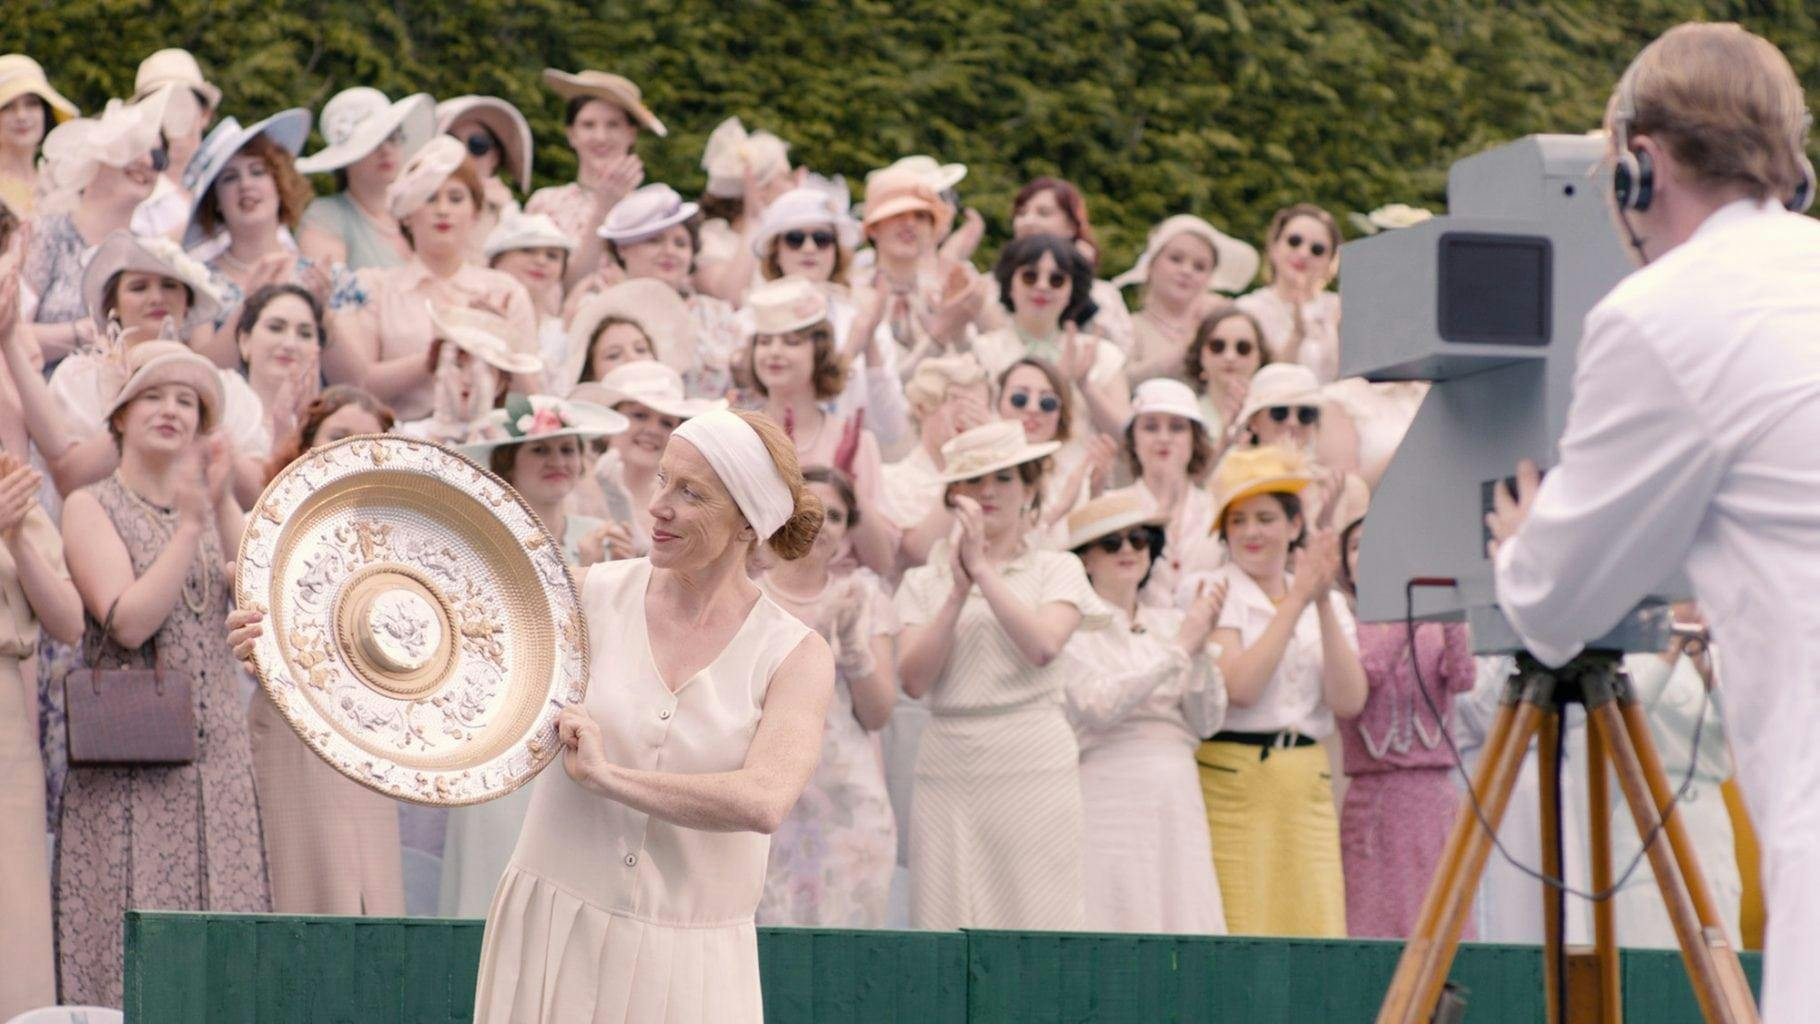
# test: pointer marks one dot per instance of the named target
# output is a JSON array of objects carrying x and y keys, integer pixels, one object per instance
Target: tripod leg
[
  {"x": 1719, "y": 997},
  {"x": 1554, "y": 910},
  {"x": 1427, "y": 956},
  {"x": 1605, "y": 925}
]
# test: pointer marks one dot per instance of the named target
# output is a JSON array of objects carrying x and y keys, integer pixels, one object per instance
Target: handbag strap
[{"x": 91, "y": 653}]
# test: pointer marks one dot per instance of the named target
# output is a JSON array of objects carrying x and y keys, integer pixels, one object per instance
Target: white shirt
[
  {"x": 1294, "y": 698},
  {"x": 1693, "y": 437}
]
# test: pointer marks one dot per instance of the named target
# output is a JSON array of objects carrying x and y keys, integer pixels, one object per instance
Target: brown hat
[{"x": 615, "y": 89}]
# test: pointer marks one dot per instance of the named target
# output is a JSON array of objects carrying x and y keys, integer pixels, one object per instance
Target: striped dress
[{"x": 996, "y": 820}]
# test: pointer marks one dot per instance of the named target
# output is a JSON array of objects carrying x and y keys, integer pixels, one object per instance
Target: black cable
[{"x": 1459, "y": 763}]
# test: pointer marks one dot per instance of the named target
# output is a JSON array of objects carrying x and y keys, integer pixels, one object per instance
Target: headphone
[{"x": 1633, "y": 174}]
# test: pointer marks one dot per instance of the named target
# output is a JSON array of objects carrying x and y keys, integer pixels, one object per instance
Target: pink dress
[
  {"x": 608, "y": 914},
  {"x": 1397, "y": 811}
]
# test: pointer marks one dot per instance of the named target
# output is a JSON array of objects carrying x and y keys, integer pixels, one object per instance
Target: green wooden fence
[{"x": 278, "y": 969}]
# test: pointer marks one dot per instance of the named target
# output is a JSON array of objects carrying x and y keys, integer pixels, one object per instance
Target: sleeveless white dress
[{"x": 607, "y": 914}]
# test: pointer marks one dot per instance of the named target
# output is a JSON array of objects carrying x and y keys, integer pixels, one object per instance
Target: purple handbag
[{"x": 128, "y": 717}]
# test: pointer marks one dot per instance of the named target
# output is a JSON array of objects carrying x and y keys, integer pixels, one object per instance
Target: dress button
[
  {"x": 664, "y": 714},
  {"x": 631, "y": 860}
]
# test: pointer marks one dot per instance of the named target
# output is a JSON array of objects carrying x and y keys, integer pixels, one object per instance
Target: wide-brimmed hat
[
  {"x": 650, "y": 384},
  {"x": 121, "y": 252},
  {"x": 520, "y": 230},
  {"x": 151, "y": 363},
  {"x": 1235, "y": 262},
  {"x": 287, "y": 129},
  {"x": 989, "y": 448},
  {"x": 423, "y": 174},
  {"x": 786, "y": 304},
  {"x": 1166, "y": 395},
  {"x": 77, "y": 148},
  {"x": 506, "y": 123},
  {"x": 940, "y": 176},
  {"x": 1110, "y": 513},
  {"x": 483, "y": 334},
  {"x": 527, "y": 418},
  {"x": 20, "y": 75},
  {"x": 649, "y": 210},
  {"x": 654, "y": 306},
  {"x": 173, "y": 67},
  {"x": 893, "y": 191},
  {"x": 615, "y": 89},
  {"x": 1247, "y": 472},
  {"x": 1290, "y": 384},
  {"x": 804, "y": 207},
  {"x": 732, "y": 151},
  {"x": 355, "y": 121}
]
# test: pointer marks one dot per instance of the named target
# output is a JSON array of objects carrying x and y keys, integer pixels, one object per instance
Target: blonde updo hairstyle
[
  {"x": 928, "y": 387},
  {"x": 793, "y": 539}
]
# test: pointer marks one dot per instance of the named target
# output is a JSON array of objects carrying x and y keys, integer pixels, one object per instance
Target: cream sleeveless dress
[{"x": 607, "y": 914}]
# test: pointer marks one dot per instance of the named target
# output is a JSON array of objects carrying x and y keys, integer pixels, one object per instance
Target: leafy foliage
[{"x": 1153, "y": 107}]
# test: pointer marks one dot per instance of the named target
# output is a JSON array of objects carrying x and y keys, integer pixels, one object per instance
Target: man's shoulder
[{"x": 1732, "y": 264}]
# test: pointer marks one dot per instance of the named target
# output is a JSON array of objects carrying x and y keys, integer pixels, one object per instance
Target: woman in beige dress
[{"x": 35, "y": 590}]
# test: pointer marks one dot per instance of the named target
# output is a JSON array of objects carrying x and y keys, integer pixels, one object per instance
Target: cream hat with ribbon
[
  {"x": 894, "y": 190},
  {"x": 1235, "y": 262},
  {"x": 615, "y": 89},
  {"x": 20, "y": 75},
  {"x": 732, "y": 151},
  {"x": 173, "y": 67},
  {"x": 650, "y": 304},
  {"x": 527, "y": 418},
  {"x": 121, "y": 252},
  {"x": 503, "y": 120},
  {"x": 940, "y": 176},
  {"x": 520, "y": 230},
  {"x": 1290, "y": 384},
  {"x": 650, "y": 384},
  {"x": 988, "y": 448},
  {"x": 76, "y": 149},
  {"x": 423, "y": 174},
  {"x": 786, "y": 304},
  {"x": 151, "y": 363},
  {"x": 355, "y": 121},
  {"x": 1110, "y": 513},
  {"x": 484, "y": 335}
]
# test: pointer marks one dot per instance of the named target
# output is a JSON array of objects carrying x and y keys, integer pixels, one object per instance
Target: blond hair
[
  {"x": 1723, "y": 102},
  {"x": 928, "y": 387},
  {"x": 793, "y": 539}
]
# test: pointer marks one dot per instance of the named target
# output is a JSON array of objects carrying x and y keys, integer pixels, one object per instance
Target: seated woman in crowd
[
  {"x": 1186, "y": 264},
  {"x": 543, "y": 462},
  {"x": 536, "y": 253},
  {"x": 473, "y": 365},
  {"x": 638, "y": 319},
  {"x": 833, "y": 857},
  {"x": 247, "y": 189},
  {"x": 28, "y": 109},
  {"x": 156, "y": 537},
  {"x": 1044, "y": 283},
  {"x": 1054, "y": 206},
  {"x": 931, "y": 305},
  {"x": 602, "y": 119},
  {"x": 498, "y": 138},
  {"x": 1167, "y": 446},
  {"x": 1228, "y": 349},
  {"x": 380, "y": 335},
  {"x": 369, "y": 139},
  {"x": 795, "y": 369},
  {"x": 624, "y": 480},
  {"x": 1290, "y": 661},
  {"x": 1301, "y": 318},
  {"x": 747, "y": 171},
  {"x": 996, "y": 832},
  {"x": 331, "y": 844},
  {"x": 1145, "y": 691}
]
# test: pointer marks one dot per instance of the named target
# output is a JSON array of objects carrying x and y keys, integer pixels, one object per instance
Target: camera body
[{"x": 1488, "y": 302}]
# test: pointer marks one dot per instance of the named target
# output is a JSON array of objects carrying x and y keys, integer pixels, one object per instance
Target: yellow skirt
[{"x": 1276, "y": 840}]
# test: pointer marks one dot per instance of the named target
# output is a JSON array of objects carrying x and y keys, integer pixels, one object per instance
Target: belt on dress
[{"x": 1267, "y": 741}]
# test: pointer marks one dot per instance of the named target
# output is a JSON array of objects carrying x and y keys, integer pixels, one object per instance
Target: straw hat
[
  {"x": 654, "y": 306},
  {"x": 1110, "y": 513},
  {"x": 503, "y": 120},
  {"x": 423, "y": 174},
  {"x": 940, "y": 176},
  {"x": 1166, "y": 395},
  {"x": 989, "y": 448},
  {"x": 173, "y": 67},
  {"x": 652, "y": 385},
  {"x": 483, "y": 334},
  {"x": 77, "y": 148},
  {"x": 894, "y": 190},
  {"x": 355, "y": 121},
  {"x": 151, "y": 363},
  {"x": 1248, "y": 472},
  {"x": 121, "y": 252},
  {"x": 520, "y": 230},
  {"x": 731, "y": 152},
  {"x": 615, "y": 89},
  {"x": 786, "y": 304},
  {"x": 804, "y": 207},
  {"x": 425, "y": 595},
  {"x": 287, "y": 129},
  {"x": 1290, "y": 384},
  {"x": 20, "y": 75},
  {"x": 539, "y": 418},
  {"x": 648, "y": 211},
  {"x": 1235, "y": 262}
]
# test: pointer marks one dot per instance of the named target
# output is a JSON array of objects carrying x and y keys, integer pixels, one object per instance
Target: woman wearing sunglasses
[
  {"x": 498, "y": 140},
  {"x": 1146, "y": 692},
  {"x": 1169, "y": 451},
  {"x": 1289, "y": 658},
  {"x": 995, "y": 837},
  {"x": 1301, "y": 318},
  {"x": 1045, "y": 283},
  {"x": 1055, "y": 206},
  {"x": 1228, "y": 348},
  {"x": 1186, "y": 265},
  {"x": 1286, "y": 408},
  {"x": 1033, "y": 393}
]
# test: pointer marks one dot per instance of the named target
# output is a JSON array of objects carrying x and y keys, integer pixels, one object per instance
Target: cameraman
[{"x": 1694, "y": 436}]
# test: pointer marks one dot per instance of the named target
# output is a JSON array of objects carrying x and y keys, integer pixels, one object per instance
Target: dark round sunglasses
[
  {"x": 796, "y": 239},
  {"x": 1047, "y": 403},
  {"x": 1029, "y": 276},
  {"x": 1241, "y": 348},
  {"x": 1141, "y": 538},
  {"x": 1306, "y": 415},
  {"x": 161, "y": 159},
  {"x": 479, "y": 144},
  {"x": 1316, "y": 248}
]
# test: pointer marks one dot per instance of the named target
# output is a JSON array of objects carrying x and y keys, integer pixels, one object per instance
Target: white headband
[{"x": 739, "y": 455}]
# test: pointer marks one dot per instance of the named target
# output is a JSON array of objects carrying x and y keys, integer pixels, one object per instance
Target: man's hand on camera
[{"x": 1507, "y": 514}]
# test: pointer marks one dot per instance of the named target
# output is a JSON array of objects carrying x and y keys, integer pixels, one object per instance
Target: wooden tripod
[{"x": 1617, "y": 734}]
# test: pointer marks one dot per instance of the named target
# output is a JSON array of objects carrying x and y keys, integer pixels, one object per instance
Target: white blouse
[
  {"x": 1140, "y": 684},
  {"x": 1294, "y": 698}
]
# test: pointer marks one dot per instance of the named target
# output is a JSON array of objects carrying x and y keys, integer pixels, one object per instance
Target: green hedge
[{"x": 1224, "y": 108}]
